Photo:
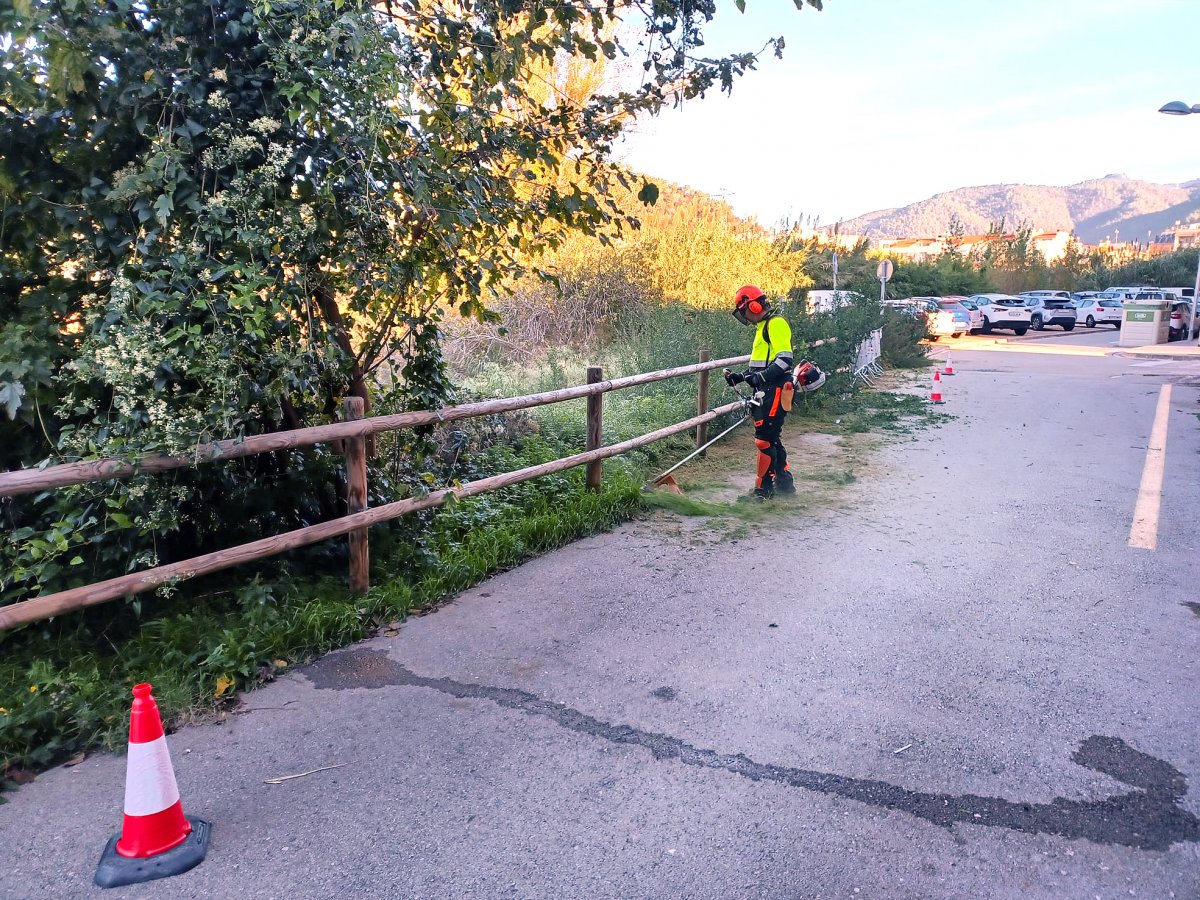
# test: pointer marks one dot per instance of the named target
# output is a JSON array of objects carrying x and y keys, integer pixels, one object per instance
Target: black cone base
[{"x": 115, "y": 870}]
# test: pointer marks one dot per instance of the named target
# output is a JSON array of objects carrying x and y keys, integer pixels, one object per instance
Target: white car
[
  {"x": 1181, "y": 311},
  {"x": 1099, "y": 310},
  {"x": 1050, "y": 311},
  {"x": 1002, "y": 311}
]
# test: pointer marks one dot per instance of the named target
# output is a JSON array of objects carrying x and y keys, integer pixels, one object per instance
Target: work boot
[
  {"x": 785, "y": 483},
  {"x": 765, "y": 489}
]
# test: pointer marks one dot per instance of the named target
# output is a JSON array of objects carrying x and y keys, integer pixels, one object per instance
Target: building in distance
[{"x": 1051, "y": 244}]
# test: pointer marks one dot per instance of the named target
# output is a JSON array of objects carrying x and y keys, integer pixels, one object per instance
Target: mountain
[{"x": 1094, "y": 209}]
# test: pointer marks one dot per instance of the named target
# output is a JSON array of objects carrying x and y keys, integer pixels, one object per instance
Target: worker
[{"x": 770, "y": 376}]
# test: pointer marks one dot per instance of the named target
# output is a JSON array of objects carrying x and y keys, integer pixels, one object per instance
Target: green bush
[{"x": 901, "y": 347}]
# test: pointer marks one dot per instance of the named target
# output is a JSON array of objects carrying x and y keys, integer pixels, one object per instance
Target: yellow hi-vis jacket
[{"x": 772, "y": 344}]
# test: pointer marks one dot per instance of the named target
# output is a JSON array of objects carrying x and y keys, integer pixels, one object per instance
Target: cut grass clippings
[{"x": 827, "y": 445}]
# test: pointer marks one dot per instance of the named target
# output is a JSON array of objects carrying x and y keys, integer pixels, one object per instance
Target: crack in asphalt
[{"x": 1149, "y": 818}]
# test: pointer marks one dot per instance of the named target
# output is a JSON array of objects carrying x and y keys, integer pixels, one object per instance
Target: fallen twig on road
[
  {"x": 282, "y": 778},
  {"x": 243, "y": 712}
]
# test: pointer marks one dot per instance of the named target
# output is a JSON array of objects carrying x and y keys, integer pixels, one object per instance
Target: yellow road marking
[{"x": 1144, "y": 532}]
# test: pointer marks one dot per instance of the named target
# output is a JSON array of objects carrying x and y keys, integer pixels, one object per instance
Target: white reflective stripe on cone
[{"x": 149, "y": 779}]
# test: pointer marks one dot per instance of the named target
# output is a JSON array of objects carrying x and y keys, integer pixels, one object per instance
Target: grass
[
  {"x": 64, "y": 685},
  {"x": 834, "y": 476}
]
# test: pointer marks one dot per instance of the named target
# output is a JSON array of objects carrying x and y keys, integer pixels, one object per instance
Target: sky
[{"x": 882, "y": 103}]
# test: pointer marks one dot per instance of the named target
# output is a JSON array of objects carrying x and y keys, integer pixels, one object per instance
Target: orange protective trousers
[{"x": 772, "y": 456}]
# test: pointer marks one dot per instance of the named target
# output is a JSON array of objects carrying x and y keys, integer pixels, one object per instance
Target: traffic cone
[
  {"x": 949, "y": 369},
  {"x": 157, "y": 839},
  {"x": 935, "y": 396}
]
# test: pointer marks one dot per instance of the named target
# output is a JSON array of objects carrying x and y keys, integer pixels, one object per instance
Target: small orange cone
[
  {"x": 949, "y": 370},
  {"x": 935, "y": 396},
  {"x": 157, "y": 839}
]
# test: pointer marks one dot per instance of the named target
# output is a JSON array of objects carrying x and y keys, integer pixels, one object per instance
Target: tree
[
  {"x": 1072, "y": 271},
  {"x": 1177, "y": 269},
  {"x": 222, "y": 217},
  {"x": 953, "y": 240}
]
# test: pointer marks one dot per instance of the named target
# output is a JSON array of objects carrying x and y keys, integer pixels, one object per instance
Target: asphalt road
[{"x": 961, "y": 682}]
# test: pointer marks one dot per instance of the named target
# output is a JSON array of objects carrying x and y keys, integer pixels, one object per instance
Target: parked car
[
  {"x": 1099, "y": 310},
  {"x": 1002, "y": 311},
  {"x": 960, "y": 315},
  {"x": 1080, "y": 296},
  {"x": 1050, "y": 311},
  {"x": 1054, "y": 295},
  {"x": 1180, "y": 311},
  {"x": 976, "y": 317},
  {"x": 938, "y": 321},
  {"x": 1152, "y": 294},
  {"x": 1120, "y": 293}
]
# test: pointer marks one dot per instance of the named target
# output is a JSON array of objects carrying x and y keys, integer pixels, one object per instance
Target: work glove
[{"x": 734, "y": 378}]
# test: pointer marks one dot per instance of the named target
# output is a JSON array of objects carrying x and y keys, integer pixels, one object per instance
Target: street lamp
[{"x": 1179, "y": 108}]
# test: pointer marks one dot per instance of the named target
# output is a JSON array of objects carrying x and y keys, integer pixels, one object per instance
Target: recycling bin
[{"x": 1145, "y": 322}]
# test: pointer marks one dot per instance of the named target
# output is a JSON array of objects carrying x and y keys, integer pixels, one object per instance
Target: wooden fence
[{"x": 352, "y": 431}]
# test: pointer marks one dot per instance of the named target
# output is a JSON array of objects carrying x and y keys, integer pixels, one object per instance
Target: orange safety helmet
[{"x": 750, "y": 299}]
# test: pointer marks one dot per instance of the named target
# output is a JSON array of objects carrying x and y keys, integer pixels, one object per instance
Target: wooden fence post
[
  {"x": 595, "y": 428},
  {"x": 356, "y": 497},
  {"x": 702, "y": 402}
]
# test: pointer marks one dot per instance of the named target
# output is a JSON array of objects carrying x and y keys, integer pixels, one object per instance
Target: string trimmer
[{"x": 665, "y": 479}]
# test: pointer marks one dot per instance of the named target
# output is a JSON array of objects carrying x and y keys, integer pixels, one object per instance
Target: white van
[
  {"x": 828, "y": 301},
  {"x": 1121, "y": 293}
]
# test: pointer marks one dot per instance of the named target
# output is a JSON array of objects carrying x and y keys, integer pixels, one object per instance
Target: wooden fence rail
[
  {"x": 353, "y": 431},
  {"x": 27, "y": 481}
]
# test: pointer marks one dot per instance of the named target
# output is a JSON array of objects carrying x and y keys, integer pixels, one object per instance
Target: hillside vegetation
[{"x": 1094, "y": 209}]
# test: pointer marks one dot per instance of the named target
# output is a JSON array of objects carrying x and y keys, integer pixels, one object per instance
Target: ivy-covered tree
[{"x": 220, "y": 218}]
